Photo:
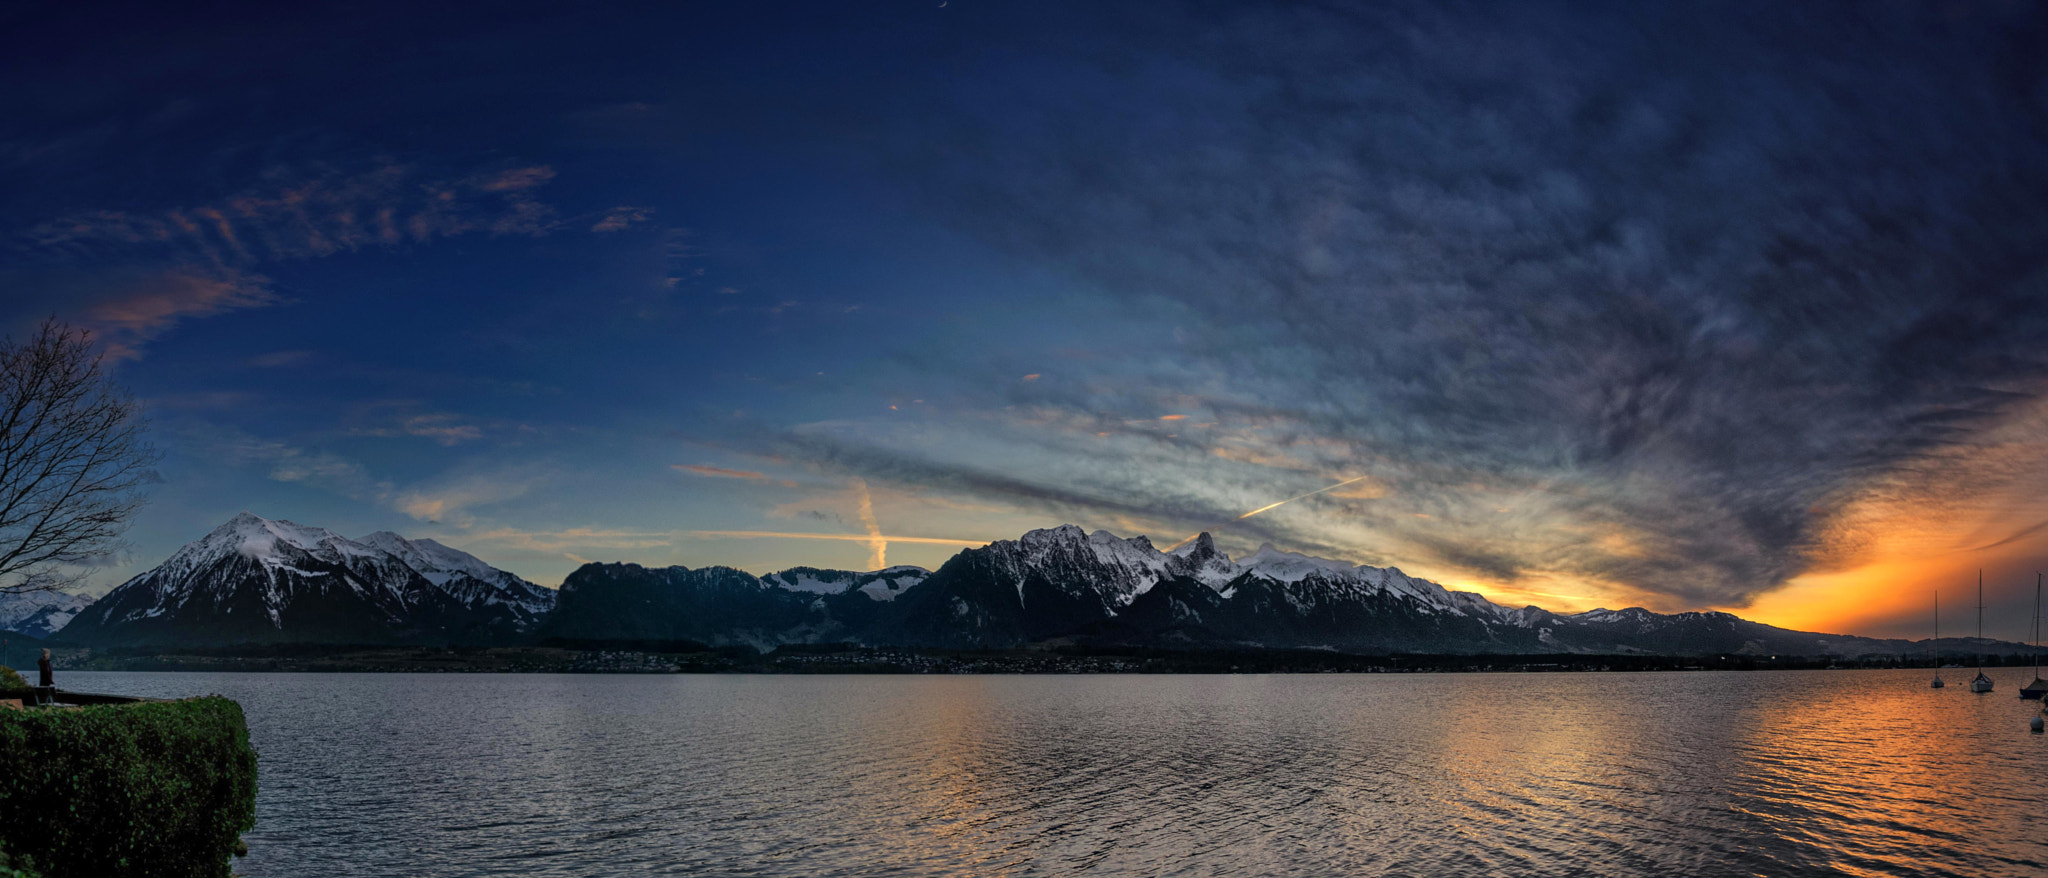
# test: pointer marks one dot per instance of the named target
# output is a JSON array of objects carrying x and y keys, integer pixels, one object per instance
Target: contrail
[
  {"x": 1299, "y": 496},
  {"x": 1270, "y": 506},
  {"x": 878, "y": 547}
]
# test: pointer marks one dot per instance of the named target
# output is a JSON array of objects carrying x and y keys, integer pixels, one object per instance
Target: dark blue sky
[{"x": 1683, "y": 305}]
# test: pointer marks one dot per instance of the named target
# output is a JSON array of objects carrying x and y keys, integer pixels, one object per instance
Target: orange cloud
[
  {"x": 1887, "y": 548},
  {"x": 158, "y": 303},
  {"x": 1173, "y": 417},
  {"x": 621, "y": 218}
]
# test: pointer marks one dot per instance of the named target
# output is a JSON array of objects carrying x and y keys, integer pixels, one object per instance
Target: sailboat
[
  {"x": 1937, "y": 684},
  {"x": 1982, "y": 684},
  {"x": 2039, "y": 687}
]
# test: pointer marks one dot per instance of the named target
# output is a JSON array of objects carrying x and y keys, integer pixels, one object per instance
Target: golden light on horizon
[{"x": 851, "y": 538}]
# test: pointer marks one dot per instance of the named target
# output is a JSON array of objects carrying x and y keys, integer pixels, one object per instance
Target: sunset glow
[{"x": 1666, "y": 344}]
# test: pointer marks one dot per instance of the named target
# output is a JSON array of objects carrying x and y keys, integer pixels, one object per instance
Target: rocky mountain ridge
[{"x": 258, "y": 580}]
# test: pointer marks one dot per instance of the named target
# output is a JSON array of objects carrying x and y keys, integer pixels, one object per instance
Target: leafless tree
[{"x": 73, "y": 460}]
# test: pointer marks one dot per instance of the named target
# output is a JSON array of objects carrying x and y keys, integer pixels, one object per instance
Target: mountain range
[
  {"x": 257, "y": 580},
  {"x": 39, "y": 614}
]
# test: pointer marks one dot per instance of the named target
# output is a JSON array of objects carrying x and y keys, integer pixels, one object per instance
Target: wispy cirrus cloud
[
  {"x": 135, "y": 275},
  {"x": 445, "y": 428},
  {"x": 449, "y": 499},
  {"x": 560, "y": 540},
  {"x": 150, "y": 305},
  {"x": 618, "y": 219},
  {"x": 717, "y": 472},
  {"x": 289, "y": 462},
  {"x": 452, "y": 500},
  {"x": 307, "y": 215}
]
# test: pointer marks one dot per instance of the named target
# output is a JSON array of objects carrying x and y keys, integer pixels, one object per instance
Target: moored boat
[
  {"x": 2039, "y": 687},
  {"x": 1982, "y": 684},
  {"x": 1935, "y": 646}
]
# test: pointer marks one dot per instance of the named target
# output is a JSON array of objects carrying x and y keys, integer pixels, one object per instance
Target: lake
[{"x": 1727, "y": 773}]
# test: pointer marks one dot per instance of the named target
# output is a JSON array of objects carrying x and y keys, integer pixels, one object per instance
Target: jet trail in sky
[{"x": 1270, "y": 506}]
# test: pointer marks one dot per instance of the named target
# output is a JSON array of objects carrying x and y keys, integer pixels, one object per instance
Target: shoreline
[{"x": 854, "y": 660}]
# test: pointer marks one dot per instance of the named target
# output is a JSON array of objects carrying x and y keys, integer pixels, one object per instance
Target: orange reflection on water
[
  {"x": 1866, "y": 776},
  {"x": 945, "y": 725}
]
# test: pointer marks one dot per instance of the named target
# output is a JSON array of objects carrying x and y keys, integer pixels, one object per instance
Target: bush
[
  {"x": 10, "y": 679},
  {"x": 151, "y": 789},
  {"x": 11, "y": 867}
]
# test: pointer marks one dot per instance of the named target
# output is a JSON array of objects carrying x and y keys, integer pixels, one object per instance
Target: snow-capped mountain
[
  {"x": 467, "y": 579},
  {"x": 39, "y": 613},
  {"x": 254, "y": 579},
  {"x": 720, "y": 605},
  {"x": 881, "y": 585},
  {"x": 1064, "y": 582}
]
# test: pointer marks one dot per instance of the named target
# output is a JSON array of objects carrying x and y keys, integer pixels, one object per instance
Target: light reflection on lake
[{"x": 1769, "y": 773}]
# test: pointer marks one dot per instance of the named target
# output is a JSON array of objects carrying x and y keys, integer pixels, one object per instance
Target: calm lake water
[{"x": 1765, "y": 773}]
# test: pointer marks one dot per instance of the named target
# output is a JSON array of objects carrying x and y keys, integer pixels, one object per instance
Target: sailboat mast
[
  {"x": 1980, "y": 620},
  {"x": 1935, "y": 647}
]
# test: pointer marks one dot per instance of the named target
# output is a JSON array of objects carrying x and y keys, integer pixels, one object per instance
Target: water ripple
[{"x": 1781, "y": 774}]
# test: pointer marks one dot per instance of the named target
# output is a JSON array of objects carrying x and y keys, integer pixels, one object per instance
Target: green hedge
[
  {"x": 11, "y": 679},
  {"x": 150, "y": 789}
]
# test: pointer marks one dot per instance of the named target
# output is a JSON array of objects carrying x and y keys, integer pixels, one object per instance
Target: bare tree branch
[{"x": 73, "y": 460}]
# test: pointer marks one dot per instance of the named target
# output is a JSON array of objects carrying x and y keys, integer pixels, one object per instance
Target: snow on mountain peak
[
  {"x": 39, "y": 613},
  {"x": 260, "y": 538},
  {"x": 383, "y": 562},
  {"x": 433, "y": 560},
  {"x": 1203, "y": 545},
  {"x": 1199, "y": 558},
  {"x": 1271, "y": 563},
  {"x": 1043, "y": 536}
]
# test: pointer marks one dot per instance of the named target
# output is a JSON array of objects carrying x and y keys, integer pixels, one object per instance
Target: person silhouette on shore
[{"x": 47, "y": 679}]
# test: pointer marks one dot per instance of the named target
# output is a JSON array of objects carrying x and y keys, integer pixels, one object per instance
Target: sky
[{"x": 1683, "y": 306}]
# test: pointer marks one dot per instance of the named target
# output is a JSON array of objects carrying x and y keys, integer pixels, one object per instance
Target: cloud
[
  {"x": 442, "y": 427},
  {"x": 445, "y": 428},
  {"x": 568, "y": 538},
  {"x": 869, "y": 538},
  {"x": 286, "y": 462},
  {"x": 451, "y": 500},
  {"x": 718, "y": 472},
  {"x": 515, "y": 179},
  {"x": 138, "y": 311},
  {"x": 134, "y": 275},
  {"x": 281, "y": 359},
  {"x": 1558, "y": 261},
  {"x": 311, "y": 215},
  {"x": 619, "y": 219}
]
